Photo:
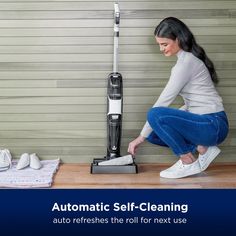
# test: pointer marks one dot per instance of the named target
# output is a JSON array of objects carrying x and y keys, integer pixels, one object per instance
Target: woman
[{"x": 201, "y": 124}]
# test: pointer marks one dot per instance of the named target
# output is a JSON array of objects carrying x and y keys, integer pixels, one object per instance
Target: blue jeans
[{"x": 183, "y": 131}]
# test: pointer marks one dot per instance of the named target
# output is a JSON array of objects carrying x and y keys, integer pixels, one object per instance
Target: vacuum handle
[
  {"x": 117, "y": 13},
  {"x": 116, "y": 36}
]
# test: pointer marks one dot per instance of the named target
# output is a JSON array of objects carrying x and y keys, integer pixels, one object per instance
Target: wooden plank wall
[{"x": 55, "y": 57}]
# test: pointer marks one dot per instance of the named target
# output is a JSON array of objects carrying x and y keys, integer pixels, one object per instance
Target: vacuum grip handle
[
  {"x": 117, "y": 13},
  {"x": 117, "y": 9}
]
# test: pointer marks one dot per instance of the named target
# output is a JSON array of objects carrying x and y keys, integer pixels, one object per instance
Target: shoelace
[
  {"x": 200, "y": 159},
  {"x": 182, "y": 166}
]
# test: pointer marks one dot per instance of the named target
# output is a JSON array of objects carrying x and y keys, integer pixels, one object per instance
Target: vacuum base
[{"x": 123, "y": 169}]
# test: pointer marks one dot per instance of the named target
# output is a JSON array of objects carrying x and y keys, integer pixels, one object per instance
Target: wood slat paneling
[
  {"x": 126, "y": 14},
  {"x": 42, "y": 58},
  {"x": 128, "y": 5},
  {"x": 100, "y": 76},
  {"x": 100, "y": 49}
]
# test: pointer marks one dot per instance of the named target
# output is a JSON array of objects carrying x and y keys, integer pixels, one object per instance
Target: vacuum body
[
  {"x": 115, "y": 163},
  {"x": 114, "y": 114}
]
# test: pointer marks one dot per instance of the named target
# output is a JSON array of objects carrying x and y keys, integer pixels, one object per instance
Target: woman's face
[{"x": 168, "y": 47}]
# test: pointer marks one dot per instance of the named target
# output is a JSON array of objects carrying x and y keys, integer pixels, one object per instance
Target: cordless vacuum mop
[{"x": 113, "y": 162}]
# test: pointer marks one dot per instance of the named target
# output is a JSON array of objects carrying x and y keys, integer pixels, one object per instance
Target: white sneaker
[
  {"x": 206, "y": 159},
  {"x": 23, "y": 162},
  {"x": 5, "y": 159},
  {"x": 35, "y": 162},
  {"x": 180, "y": 170}
]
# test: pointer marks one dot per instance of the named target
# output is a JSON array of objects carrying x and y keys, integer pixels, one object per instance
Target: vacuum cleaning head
[
  {"x": 117, "y": 165},
  {"x": 119, "y": 161}
]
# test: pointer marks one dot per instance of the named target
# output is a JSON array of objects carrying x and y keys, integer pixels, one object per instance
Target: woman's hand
[{"x": 133, "y": 146}]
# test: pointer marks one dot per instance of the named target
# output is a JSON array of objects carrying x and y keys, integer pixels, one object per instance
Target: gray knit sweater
[{"x": 191, "y": 80}]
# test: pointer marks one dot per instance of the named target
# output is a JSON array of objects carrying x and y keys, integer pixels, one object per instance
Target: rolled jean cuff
[{"x": 191, "y": 149}]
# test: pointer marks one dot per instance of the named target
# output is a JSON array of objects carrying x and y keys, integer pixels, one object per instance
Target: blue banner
[{"x": 117, "y": 212}]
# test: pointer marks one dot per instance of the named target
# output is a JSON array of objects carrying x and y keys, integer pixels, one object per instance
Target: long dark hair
[{"x": 173, "y": 28}]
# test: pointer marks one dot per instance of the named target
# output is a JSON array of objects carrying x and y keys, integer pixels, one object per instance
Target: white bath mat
[{"x": 28, "y": 177}]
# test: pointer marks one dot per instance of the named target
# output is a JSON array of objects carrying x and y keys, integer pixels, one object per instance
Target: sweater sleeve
[{"x": 180, "y": 74}]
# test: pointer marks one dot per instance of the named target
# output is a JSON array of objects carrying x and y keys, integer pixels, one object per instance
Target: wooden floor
[{"x": 77, "y": 176}]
